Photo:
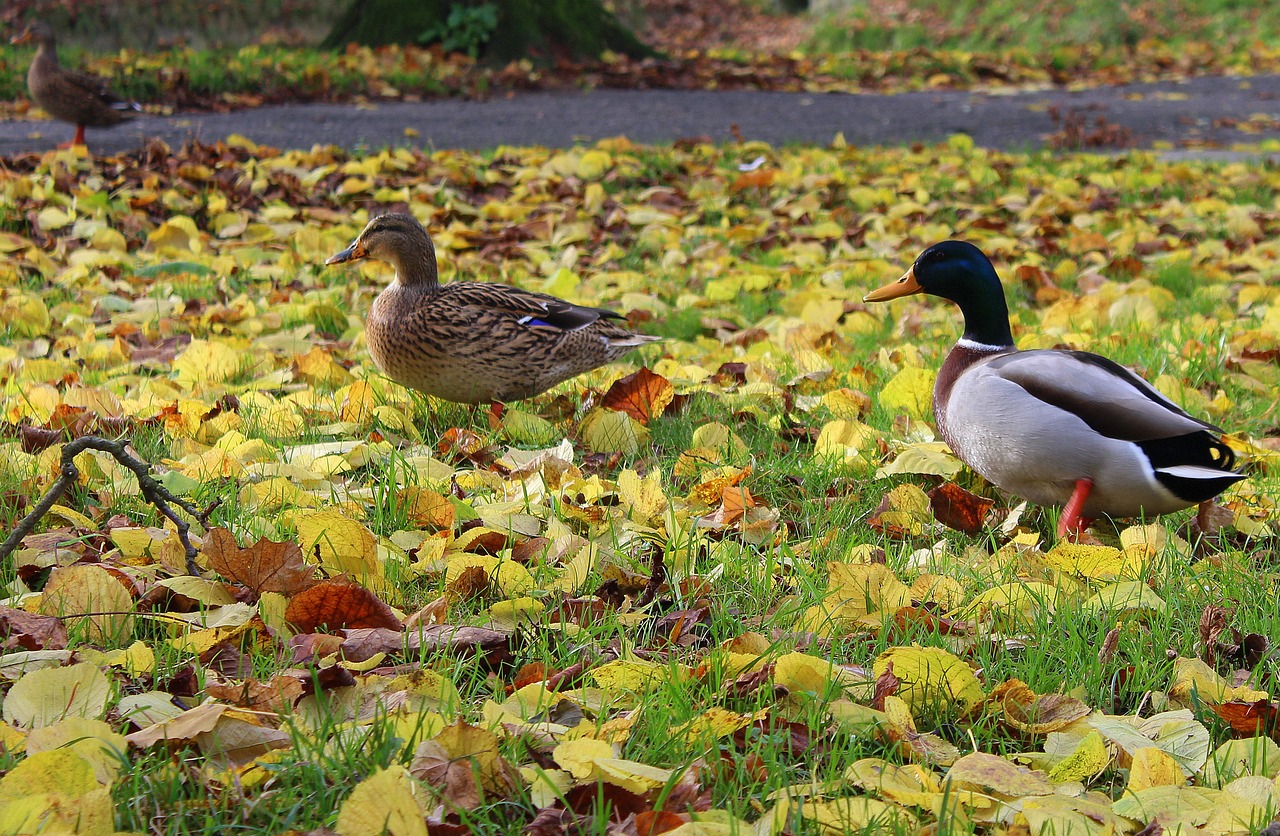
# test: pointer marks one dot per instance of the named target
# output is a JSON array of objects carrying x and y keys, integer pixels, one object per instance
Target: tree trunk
[{"x": 537, "y": 29}]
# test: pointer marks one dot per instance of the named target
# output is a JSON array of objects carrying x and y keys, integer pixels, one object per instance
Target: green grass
[
  {"x": 751, "y": 585},
  {"x": 980, "y": 27}
]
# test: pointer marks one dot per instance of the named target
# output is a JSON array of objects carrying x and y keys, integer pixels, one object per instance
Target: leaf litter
[{"x": 513, "y": 598}]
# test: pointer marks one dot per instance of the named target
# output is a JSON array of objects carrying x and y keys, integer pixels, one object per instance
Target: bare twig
[{"x": 152, "y": 491}]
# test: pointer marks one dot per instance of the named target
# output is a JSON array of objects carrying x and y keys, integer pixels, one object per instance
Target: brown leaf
[
  {"x": 454, "y": 779},
  {"x": 266, "y": 566},
  {"x": 337, "y": 605},
  {"x": 1249, "y": 719},
  {"x": 653, "y": 822},
  {"x": 597, "y": 798},
  {"x": 309, "y": 647},
  {"x": 1214, "y": 620},
  {"x": 554, "y": 821},
  {"x": 466, "y": 445},
  {"x": 276, "y": 696},
  {"x": 643, "y": 395},
  {"x": 956, "y": 508},
  {"x": 493, "y": 646},
  {"x": 530, "y": 673},
  {"x": 692, "y": 790},
  {"x": 886, "y": 686},
  {"x": 746, "y": 684},
  {"x": 683, "y": 628},
  {"x": 21, "y": 630},
  {"x": 471, "y": 584}
]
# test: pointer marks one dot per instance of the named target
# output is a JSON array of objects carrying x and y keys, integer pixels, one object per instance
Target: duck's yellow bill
[{"x": 904, "y": 286}]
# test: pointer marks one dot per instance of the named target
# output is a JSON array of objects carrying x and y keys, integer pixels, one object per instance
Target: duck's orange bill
[
  {"x": 352, "y": 253},
  {"x": 904, "y": 286}
]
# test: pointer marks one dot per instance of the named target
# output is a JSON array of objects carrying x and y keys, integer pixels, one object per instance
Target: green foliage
[{"x": 466, "y": 29}]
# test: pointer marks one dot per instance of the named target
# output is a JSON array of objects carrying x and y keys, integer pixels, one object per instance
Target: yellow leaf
[
  {"x": 632, "y": 676},
  {"x": 318, "y": 368},
  {"x": 714, "y": 723},
  {"x": 930, "y": 458},
  {"x": 910, "y": 390},
  {"x": 479, "y": 746},
  {"x": 1089, "y": 758},
  {"x": 90, "y": 814},
  {"x": 932, "y": 678},
  {"x": 1152, "y": 767},
  {"x": 1193, "y": 679},
  {"x": 88, "y": 588},
  {"x": 844, "y": 440},
  {"x": 802, "y": 672},
  {"x": 593, "y": 164},
  {"x": 1238, "y": 758},
  {"x": 26, "y": 315},
  {"x": 52, "y": 217},
  {"x": 343, "y": 544},
  {"x": 358, "y": 402},
  {"x": 1089, "y": 561},
  {"x": 526, "y": 428},
  {"x": 643, "y": 496},
  {"x": 868, "y": 587},
  {"x": 206, "y": 361},
  {"x": 426, "y": 509},
  {"x": 1192, "y": 805},
  {"x": 999, "y": 777},
  {"x": 632, "y": 775},
  {"x": 385, "y": 802},
  {"x": 93, "y": 740},
  {"x": 857, "y": 815},
  {"x": 1127, "y": 596},
  {"x": 177, "y": 236},
  {"x": 607, "y": 431},
  {"x": 62, "y": 772},
  {"x": 578, "y": 757}
]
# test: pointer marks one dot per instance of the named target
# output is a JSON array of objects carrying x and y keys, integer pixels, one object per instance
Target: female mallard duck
[
  {"x": 473, "y": 342},
  {"x": 81, "y": 99},
  {"x": 1053, "y": 426}
]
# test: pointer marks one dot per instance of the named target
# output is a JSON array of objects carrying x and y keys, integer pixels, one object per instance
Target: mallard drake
[
  {"x": 473, "y": 342},
  {"x": 1053, "y": 426},
  {"x": 81, "y": 99}
]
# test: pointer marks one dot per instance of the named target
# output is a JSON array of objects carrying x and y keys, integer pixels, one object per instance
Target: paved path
[{"x": 1167, "y": 111}]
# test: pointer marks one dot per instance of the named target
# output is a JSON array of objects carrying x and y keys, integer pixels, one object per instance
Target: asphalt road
[{"x": 1168, "y": 111}]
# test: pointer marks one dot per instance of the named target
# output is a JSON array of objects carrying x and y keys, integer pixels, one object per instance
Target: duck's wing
[
  {"x": 534, "y": 310},
  {"x": 93, "y": 87},
  {"x": 1109, "y": 398}
]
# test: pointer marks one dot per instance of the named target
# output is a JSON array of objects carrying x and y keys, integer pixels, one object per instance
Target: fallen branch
[{"x": 152, "y": 491}]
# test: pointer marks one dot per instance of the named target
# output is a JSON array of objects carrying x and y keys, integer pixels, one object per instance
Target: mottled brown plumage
[
  {"x": 81, "y": 99},
  {"x": 473, "y": 342}
]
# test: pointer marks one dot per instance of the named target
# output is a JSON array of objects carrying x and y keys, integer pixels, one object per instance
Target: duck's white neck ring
[{"x": 985, "y": 348}]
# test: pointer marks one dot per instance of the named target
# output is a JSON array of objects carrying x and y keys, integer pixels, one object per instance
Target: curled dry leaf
[
  {"x": 21, "y": 630},
  {"x": 1033, "y": 713},
  {"x": 265, "y": 566},
  {"x": 957, "y": 508},
  {"x": 643, "y": 395},
  {"x": 276, "y": 695},
  {"x": 335, "y": 605}
]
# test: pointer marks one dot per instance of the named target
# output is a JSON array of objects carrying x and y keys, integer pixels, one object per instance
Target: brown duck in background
[
  {"x": 81, "y": 99},
  {"x": 473, "y": 342}
]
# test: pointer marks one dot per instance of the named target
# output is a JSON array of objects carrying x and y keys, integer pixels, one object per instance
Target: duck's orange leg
[
  {"x": 77, "y": 140},
  {"x": 1070, "y": 523}
]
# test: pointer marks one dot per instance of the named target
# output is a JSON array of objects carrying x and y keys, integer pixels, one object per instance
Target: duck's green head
[{"x": 959, "y": 271}]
